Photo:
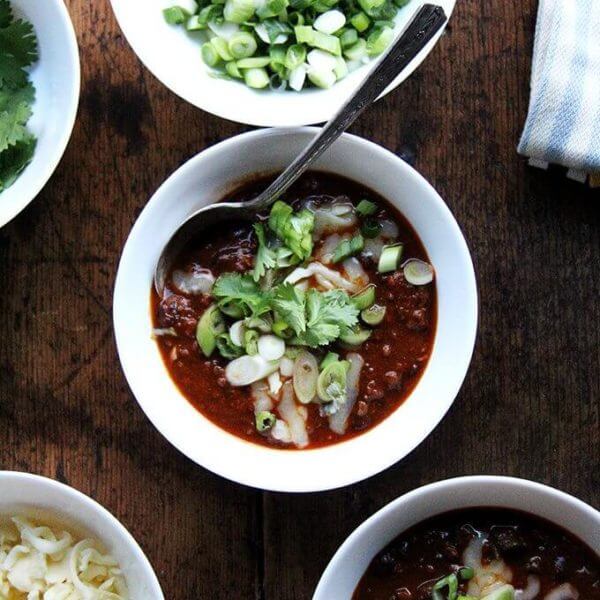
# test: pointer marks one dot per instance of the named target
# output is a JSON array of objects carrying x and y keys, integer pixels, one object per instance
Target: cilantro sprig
[{"x": 18, "y": 51}]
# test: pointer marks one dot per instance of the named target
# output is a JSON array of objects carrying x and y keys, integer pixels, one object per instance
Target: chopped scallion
[
  {"x": 365, "y": 298},
  {"x": 347, "y": 248},
  {"x": 373, "y": 315},
  {"x": 390, "y": 258},
  {"x": 366, "y": 208},
  {"x": 242, "y": 45},
  {"x": 265, "y": 420},
  {"x": 257, "y": 78},
  {"x": 210, "y": 325},
  {"x": 175, "y": 15},
  {"x": 370, "y": 228}
]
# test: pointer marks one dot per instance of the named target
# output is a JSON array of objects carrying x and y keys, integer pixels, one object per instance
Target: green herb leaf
[
  {"x": 293, "y": 229},
  {"x": 290, "y": 302},
  {"x": 15, "y": 159},
  {"x": 15, "y": 110},
  {"x": 265, "y": 257},
  {"x": 327, "y": 315},
  {"x": 6, "y": 15},
  {"x": 18, "y": 49},
  {"x": 241, "y": 291}
]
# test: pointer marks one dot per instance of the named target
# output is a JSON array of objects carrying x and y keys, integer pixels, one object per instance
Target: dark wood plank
[{"x": 529, "y": 406}]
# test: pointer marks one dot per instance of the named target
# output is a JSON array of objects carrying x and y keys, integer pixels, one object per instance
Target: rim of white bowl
[
  {"x": 18, "y": 477},
  {"x": 127, "y": 15},
  {"x": 40, "y": 177},
  {"x": 260, "y": 478},
  {"x": 446, "y": 486}
]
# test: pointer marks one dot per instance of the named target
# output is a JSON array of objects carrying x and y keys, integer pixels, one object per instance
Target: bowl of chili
[
  {"x": 314, "y": 347},
  {"x": 477, "y": 537}
]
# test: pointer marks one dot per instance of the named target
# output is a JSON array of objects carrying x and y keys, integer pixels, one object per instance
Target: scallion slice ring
[{"x": 417, "y": 272}]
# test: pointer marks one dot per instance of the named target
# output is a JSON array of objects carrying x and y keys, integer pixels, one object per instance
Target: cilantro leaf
[
  {"x": 293, "y": 229},
  {"x": 239, "y": 295},
  {"x": 15, "y": 159},
  {"x": 317, "y": 318},
  {"x": 328, "y": 314},
  {"x": 19, "y": 42},
  {"x": 290, "y": 303},
  {"x": 15, "y": 110},
  {"x": 265, "y": 257},
  {"x": 6, "y": 15},
  {"x": 18, "y": 49}
]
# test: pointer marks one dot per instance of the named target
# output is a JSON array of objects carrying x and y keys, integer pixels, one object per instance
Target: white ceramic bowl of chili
[
  {"x": 174, "y": 59},
  {"x": 49, "y": 502},
  {"x": 208, "y": 177},
  {"x": 350, "y": 562}
]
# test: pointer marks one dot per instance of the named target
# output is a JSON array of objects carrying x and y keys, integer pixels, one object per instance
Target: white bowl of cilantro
[
  {"x": 211, "y": 176},
  {"x": 266, "y": 62},
  {"x": 39, "y": 94}
]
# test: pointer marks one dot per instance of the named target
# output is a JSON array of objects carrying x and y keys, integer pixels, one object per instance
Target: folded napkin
[{"x": 563, "y": 123}]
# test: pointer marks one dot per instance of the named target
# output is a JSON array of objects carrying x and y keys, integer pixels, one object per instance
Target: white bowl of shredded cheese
[{"x": 58, "y": 544}]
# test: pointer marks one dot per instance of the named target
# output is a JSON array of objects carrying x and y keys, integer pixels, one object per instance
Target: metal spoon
[{"x": 425, "y": 24}]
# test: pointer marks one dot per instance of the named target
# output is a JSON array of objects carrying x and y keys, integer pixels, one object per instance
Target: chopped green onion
[
  {"x": 365, "y": 298},
  {"x": 316, "y": 39},
  {"x": 366, "y": 208},
  {"x": 306, "y": 373},
  {"x": 390, "y": 258},
  {"x": 347, "y": 248},
  {"x": 256, "y": 78},
  {"x": 282, "y": 330},
  {"x": 331, "y": 385},
  {"x": 242, "y": 45},
  {"x": 330, "y": 357},
  {"x": 348, "y": 37},
  {"x": 379, "y": 40},
  {"x": 341, "y": 68},
  {"x": 369, "y": 5},
  {"x": 286, "y": 31},
  {"x": 251, "y": 342},
  {"x": 295, "y": 56},
  {"x": 209, "y": 55},
  {"x": 356, "y": 51},
  {"x": 175, "y": 15},
  {"x": 370, "y": 228},
  {"x": 233, "y": 70},
  {"x": 295, "y": 19},
  {"x": 417, "y": 272},
  {"x": 360, "y": 22},
  {"x": 222, "y": 48},
  {"x": 321, "y": 78},
  {"x": 265, "y": 420},
  {"x": 254, "y": 62},
  {"x": 373, "y": 315},
  {"x": 238, "y": 11},
  {"x": 355, "y": 336},
  {"x": 227, "y": 348},
  {"x": 277, "y": 54},
  {"x": 210, "y": 325},
  {"x": 451, "y": 582},
  {"x": 194, "y": 23}
]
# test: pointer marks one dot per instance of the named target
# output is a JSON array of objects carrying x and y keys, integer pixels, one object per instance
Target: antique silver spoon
[{"x": 425, "y": 24}]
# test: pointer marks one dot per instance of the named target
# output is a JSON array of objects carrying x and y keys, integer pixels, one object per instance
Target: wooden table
[{"x": 529, "y": 406}]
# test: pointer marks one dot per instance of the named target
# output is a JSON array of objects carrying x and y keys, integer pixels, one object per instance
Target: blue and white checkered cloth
[{"x": 563, "y": 124}]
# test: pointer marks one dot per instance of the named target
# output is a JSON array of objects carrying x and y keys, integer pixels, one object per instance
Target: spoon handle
[{"x": 425, "y": 24}]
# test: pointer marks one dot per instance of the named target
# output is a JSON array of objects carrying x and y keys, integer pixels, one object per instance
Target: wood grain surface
[{"x": 529, "y": 406}]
